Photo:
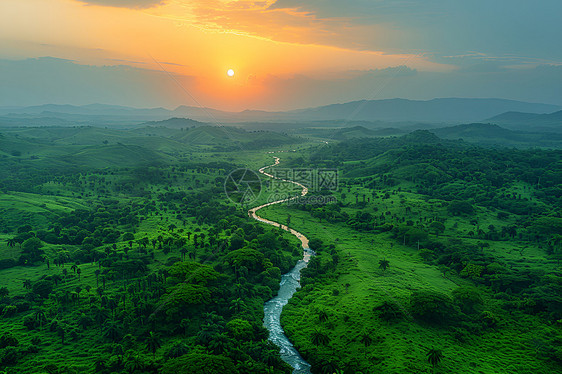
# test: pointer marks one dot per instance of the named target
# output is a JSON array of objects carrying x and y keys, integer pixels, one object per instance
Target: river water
[{"x": 288, "y": 286}]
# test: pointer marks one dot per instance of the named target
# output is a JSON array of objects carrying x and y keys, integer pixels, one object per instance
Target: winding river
[{"x": 288, "y": 286}]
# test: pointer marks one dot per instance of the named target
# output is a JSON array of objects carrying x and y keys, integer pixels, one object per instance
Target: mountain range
[{"x": 445, "y": 110}]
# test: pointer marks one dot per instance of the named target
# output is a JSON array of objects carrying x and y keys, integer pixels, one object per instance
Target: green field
[{"x": 121, "y": 252}]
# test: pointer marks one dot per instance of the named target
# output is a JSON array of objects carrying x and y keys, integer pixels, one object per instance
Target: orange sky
[
  {"x": 286, "y": 54},
  {"x": 201, "y": 41}
]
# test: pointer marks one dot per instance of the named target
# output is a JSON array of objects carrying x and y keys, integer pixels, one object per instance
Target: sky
[{"x": 286, "y": 54}]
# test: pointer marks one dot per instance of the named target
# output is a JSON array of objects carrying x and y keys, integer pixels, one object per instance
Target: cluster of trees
[{"x": 186, "y": 299}]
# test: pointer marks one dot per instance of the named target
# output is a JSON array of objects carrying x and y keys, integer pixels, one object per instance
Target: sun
[{"x": 230, "y": 73}]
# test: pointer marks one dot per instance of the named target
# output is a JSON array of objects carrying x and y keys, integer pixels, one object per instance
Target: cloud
[
  {"x": 444, "y": 27},
  {"x": 134, "y": 4}
]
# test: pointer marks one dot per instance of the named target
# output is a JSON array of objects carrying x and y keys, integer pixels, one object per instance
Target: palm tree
[
  {"x": 134, "y": 363},
  {"x": 328, "y": 367},
  {"x": 11, "y": 242},
  {"x": 78, "y": 271},
  {"x": 61, "y": 332},
  {"x": 219, "y": 343},
  {"x": 384, "y": 264},
  {"x": 83, "y": 321},
  {"x": 153, "y": 343},
  {"x": 185, "y": 323},
  {"x": 319, "y": 338},
  {"x": 97, "y": 273},
  {"x": 40, "y": 317},
  {"x": 322, "y": 316},
  {"x": 434, "y": 357},
  {"x": 111, "y": 330},
  {"x": 237, "y": 304},
  {"x": 367, "y": 341},
  {"x": 183, "y": 252}
]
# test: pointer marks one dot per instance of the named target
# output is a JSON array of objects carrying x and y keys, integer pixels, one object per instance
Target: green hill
[{"x": 225, "y": 136}]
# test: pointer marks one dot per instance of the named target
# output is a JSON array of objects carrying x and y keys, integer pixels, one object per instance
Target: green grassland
[
  {"x": 120, "y": 252},
  {"x": 401, "y": 346},
  {"x": 346, "y": 290}
]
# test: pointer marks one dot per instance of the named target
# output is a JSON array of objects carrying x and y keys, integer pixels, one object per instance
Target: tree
[
  {"x": 431, "y": 306},
  {"x": 322, "y": 316},
  {"x": 97, "y": 273},
  {"x": 389, "y": 310},
  {"x": 319, "y": 338},
  {"x": 61, "y": 332},
  {"x": 437, "y": 227},
  {"x": 384, "y": 264},
  {"x": 237, "y": 304},
  {"x": 467, "y": 297},
  {"x": 153, "y": 343},
  {"x": 134, "y": 362},
  {"x": 40, "y": 317},
  {"x": 434, "y": 357},
  {"x": 31, "y": 249},
  {"x": 42, "y": 288},
  {"x": 83, "y": 321},
  {"x": 183, "y": 252},
  {"x": 367, "y": 341},
  {"x": 111, "y": 330}
]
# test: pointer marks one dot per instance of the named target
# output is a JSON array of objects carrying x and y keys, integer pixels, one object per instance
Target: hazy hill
[
  {"x": 175, "y": 123},
  {"x": 437, "y": 110},
  {"x": 221, "y": 136},
  {"x": 530, "y": 121},
  {"x": 494, "y": 135}
]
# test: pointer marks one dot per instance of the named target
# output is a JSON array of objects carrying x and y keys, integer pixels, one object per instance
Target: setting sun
[{"x": 230, "y": 72}]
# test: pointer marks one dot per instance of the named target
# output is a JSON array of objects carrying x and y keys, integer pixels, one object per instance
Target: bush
[
  {"x": 489, "y": 319},
  {"x": 467, "y": 298},
  {"x": 431, "y": 306},
  {"x": 42, "y": 288},
  {"x": 389, "y": 310}
]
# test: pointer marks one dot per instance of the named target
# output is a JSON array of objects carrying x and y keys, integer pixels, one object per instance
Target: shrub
[
  {"x": 431, "y": 306},
  {"x": 389, "y": 310}
]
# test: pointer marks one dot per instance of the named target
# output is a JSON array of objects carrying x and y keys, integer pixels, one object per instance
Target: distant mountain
[
  {"x": 448, "y": 110},
  {"x": 436, "y": 110},
  {"x": 86, "y": 110},
  {"x": 175, "y": 123},
  {"x": 530, "y": 121},
  {"x": 494, "y": 135}
]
